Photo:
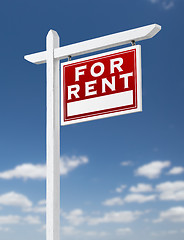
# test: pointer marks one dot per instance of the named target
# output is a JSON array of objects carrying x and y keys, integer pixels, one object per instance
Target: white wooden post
[{"x": 53, "y": 140}]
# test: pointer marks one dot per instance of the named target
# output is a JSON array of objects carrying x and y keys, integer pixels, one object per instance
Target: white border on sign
[{"x": 106, "y": 115}]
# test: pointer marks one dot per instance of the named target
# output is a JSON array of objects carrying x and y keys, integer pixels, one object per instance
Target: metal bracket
[
  {"x": 69, "y": 58},
  {"x": 133, "y": 43}
]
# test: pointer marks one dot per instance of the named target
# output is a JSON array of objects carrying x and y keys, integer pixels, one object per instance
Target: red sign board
[{"x": 100, "y": 86}]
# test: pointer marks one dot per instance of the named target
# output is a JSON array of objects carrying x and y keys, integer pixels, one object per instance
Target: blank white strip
[{"x": 100, "y": 103}]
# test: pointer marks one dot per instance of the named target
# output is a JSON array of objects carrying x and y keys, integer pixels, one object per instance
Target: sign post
[
  {"x": 53, "y": 140},
  {"x": 51, "y": 57}
]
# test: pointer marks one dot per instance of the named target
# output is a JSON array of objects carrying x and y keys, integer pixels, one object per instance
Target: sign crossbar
[{"x": 96, "y": 44}]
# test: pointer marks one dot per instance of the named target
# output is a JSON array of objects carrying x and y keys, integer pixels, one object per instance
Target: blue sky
[{"x": 122, "y": 177}]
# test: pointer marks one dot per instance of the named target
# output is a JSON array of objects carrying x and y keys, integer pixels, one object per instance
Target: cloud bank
[
  {"x": 175, "y": 214},
  {"x": 15, "y": 199},
  {"x": 77, "y": 217},
  {"x": 141, "y": 187},
  {"x": 176, "y": 171},
  {"x": 38, "y": 171},
  {"x": 152, "y": 170},
  {"x": 171, "y": 191}
]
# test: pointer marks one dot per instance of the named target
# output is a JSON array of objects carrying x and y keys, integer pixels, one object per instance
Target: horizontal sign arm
[
  {"x": 96, "y": 44},
  {"x": 37, "y": 58}
]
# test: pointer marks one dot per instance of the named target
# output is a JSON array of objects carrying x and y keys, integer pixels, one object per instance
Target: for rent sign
[{"x": 101, "y": 86}]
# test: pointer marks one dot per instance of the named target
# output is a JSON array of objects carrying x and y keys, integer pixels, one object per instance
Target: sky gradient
[{"x": 121, "y": 177}]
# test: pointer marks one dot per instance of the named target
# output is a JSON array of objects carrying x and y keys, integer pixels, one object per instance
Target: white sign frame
[{"x": 139, "y": 86}]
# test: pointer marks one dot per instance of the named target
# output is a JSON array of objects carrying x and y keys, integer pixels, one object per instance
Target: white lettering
[
  {"x": 126, "y": 76},
  {"x": 116, "y": 63},
  {"x": 78, "y": 72},
  {"x": 105, "y": 82},
  {"x": 73, "y": 89},
  {"x": 102, "y": 68},
  {"x": 89, "y": 87}
]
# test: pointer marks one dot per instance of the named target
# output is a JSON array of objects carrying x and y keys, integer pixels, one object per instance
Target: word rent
[{"x": 96, "y": 71}]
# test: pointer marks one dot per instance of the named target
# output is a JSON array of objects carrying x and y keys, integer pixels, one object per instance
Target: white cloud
[
  {"x": 171, "y": 190},
  {"x": 36, "y": 209},
  {"x": 170, "y": 186},
  {"x": 9, "y": 219},
  {"x": 72, "y": 231},
  {"x": 139, "y": 198},
  {"x": 20, "y": 200},
  {"x": 120, "y": 189},
  {"x": 15, "y": 219},
  {"x": 40, "y": 208},
  {"x": 115, "y": 217},
  {"x": 69, "y": 231},
  {"x": 126, "y": 163},
  {"x": 166, "y": 4},
  {"x": 32, "y": 220},
  {"x": 25, "y": 171},
  {"x": 175, "y": 214},
  {"x": 176, "y": 171},
  {"x": 141, "y": 187},
  {"x": 15, "y": 199},
  {"x": 152, "y": 170},
  {"x": 95, "y": 234},
  {"x": 123, "y": 231},
  {"x": 69, "y": 164},
  {"x": 38, "y": 171},
  {"x": 117, "y": 201},
  {"x": 75, "y": 217}
]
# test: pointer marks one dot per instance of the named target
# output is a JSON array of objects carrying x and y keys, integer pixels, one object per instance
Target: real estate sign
[{"x": 102, "y": 85}]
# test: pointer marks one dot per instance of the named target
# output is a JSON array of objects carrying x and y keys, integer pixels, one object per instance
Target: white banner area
[{"x": 100, "y": 103}]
